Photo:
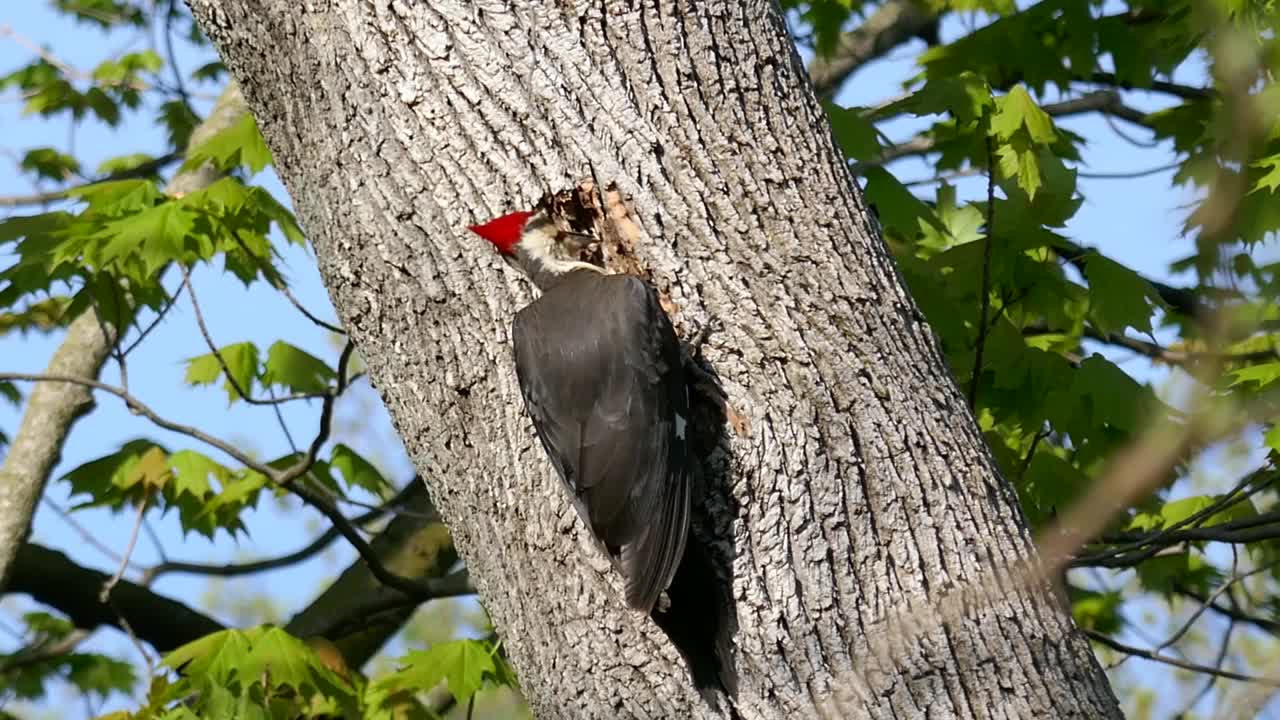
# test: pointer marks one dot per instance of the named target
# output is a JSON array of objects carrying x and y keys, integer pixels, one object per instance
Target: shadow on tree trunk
[{"x": 701, "y": 617}]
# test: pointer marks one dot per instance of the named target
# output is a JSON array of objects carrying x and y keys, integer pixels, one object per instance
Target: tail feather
[{"x": 700, "y": 622}]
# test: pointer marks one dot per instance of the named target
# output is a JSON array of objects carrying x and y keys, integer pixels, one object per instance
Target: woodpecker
[{"x": 603, "y": 379}]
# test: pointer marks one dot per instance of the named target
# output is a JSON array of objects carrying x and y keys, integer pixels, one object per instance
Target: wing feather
[{"x": 604, "y": 386}]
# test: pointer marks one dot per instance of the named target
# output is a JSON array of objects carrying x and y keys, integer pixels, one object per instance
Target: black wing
[{"x": 599, "y": 366}]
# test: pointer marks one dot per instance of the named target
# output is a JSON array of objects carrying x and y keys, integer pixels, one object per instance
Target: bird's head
[{"x": 531, "y": 242}]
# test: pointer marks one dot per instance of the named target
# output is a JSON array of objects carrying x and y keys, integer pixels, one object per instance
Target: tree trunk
[{"x": 858, "y": 480}]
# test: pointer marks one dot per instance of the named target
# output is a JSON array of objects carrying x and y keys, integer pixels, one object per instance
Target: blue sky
[{"x": 1137, "y": 222}]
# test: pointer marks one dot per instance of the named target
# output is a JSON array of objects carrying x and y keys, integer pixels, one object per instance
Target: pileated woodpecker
[
  {"x": 602, "y": 376},
  {"x": 605, "y": 382}
]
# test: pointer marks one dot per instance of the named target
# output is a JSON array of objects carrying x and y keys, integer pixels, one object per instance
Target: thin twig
[
  {"x": 1264, "y": 624},
  {"x": 222, "y": 363},
  {"x": 985, "y": 297},
  {"x": 110, "y": 585},
  {"x": 1130, "y": 549},
  {"x": 1031, "y": 451},
  {"x": 154, "y": 537},
  {"x": 326, "y": 421},
  {"x": 1130, "y": 175},
  {"x": 138, "y": 408},
  {"x": 133, "y": 637},
  {"x": 42, "y": 651},
  {"x": 283, "y": 289},
  {"x": 178, "y": 84},
  {"x": 425, "y": 589},
  {"x": 1184, "y": 664},
  {"x": 142, "y": 335},
  {"x": 1211, "y": 681},
  {"x": 1184, "y": 92},
  {"x": 82, "y": 531},
  {"x": 455, "y": 584},
  {"x": 284, "y": 427},
  {"x": 1187, "y": 624}
]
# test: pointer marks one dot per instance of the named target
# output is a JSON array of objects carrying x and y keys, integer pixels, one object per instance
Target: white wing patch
[{"x": 680, "y": 425}]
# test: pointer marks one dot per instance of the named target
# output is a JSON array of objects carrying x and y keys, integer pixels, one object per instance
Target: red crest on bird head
[{"x": 504, "y": 232}]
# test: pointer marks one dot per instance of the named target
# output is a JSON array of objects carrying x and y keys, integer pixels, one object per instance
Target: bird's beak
[{"x": 575, "y": 242}]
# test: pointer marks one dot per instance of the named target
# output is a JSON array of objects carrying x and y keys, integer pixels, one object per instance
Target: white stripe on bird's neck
[{"x": 543, "y": 256}]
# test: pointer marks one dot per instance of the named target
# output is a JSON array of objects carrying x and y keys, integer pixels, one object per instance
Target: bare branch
[
  {"x": 1178, "y": 357},
  {"x": 288, "y": 294},
  {"x": 135, "y": 406},
  {"x": 421, "y": 589},
  {"x": 1185, "y": 92},
  {"x": 1105, "y": 101},
  {"x": 1217, "y": 593},
  {"x": 82, "y": 531},
  {"x": 1128, "y": 175},
  {"x": 310, "y": 549},
  {"x": 892, "y": 24},
  {"x": 1157, "y": 352},
  {"x": 984, "y": 301},
  {"x": 40, "y": 652},
  {"x": 304, "y": 464},
  {"x": 1265, "y": 624},
  {"x": 50, "y": 577},
  {"x": 145, "y": 169},
  {"x": 105, "y": 593},
  {"x": 456, "y": 584},
  {"x": 1176, "y": 662},
  {"x": 144, "y": 332}
]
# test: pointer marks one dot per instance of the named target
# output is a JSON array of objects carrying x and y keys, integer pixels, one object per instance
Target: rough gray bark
[
  {"x": 52, "y": 408},
  {"x": 859, "y": 480}
]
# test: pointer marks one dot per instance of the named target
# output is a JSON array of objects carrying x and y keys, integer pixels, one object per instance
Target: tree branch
[
  {"x": 135, "y": 406},
  {"x": 320, "y": 543},
  {"x": 415, "y": 544},
  {"x": 1185, "y": 301},
  {"x": 1185, "y": 92},
  {"x": 145, "y": 169},
  {"x": 1176, "y": 662},
  {"x": 51, "y": 578},
  {"x": 1263, "y": 527},
  {"x": 1177, "y": 357},
  {"x": 1261, "y": 623},
  {"x": 1156, "y": 351},
  {"x": 43, "y": 651},
  {"x": 1106, "y": 101},
  {"x": 894, "y": 23}
]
